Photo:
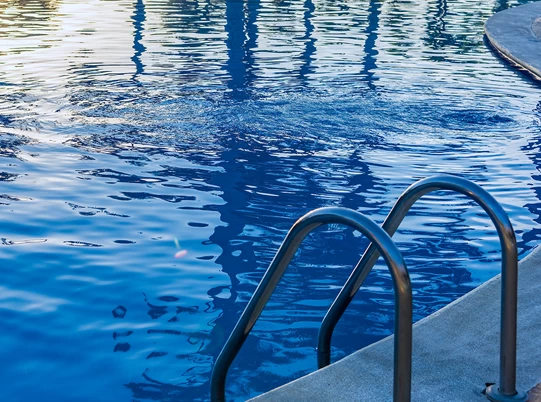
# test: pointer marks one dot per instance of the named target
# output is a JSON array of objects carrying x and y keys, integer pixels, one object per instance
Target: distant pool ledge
[
  {"x": 455, "y": 352},
  {"x": 516, "y": 34}
]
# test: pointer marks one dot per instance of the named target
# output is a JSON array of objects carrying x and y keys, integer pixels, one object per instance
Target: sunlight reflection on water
[{"x": 134, "y": 132}]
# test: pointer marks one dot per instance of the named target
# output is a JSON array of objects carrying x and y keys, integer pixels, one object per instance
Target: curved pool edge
[
  {"x": 455, "y": 352},
  {"x": 515, "y": 33}
]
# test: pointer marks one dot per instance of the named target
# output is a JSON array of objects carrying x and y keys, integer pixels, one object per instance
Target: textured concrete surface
[
  {"x": 535, "y": 394},
  {"x": 455, "y": 352},
  {"x": 516, "y": 33}
]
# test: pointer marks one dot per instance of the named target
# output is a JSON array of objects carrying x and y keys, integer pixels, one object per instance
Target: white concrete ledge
[
  {"x": 515, "y": 33},
  {"x": 455, "y": 352}
]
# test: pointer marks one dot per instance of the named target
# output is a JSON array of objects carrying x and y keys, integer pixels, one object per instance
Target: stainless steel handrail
[
  {"x": 401, "y": 283},
  {"x": 508, "y": 326}
]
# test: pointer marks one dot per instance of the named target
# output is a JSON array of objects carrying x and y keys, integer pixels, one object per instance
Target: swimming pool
[{"x": 132, "y": 130}]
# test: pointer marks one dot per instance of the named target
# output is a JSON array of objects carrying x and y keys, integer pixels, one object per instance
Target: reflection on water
[
  {"x": 138, "y": 25},
  {"x": 131, "y": 130}
]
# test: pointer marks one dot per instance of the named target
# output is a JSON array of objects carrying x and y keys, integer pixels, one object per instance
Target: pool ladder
[{"x": 383, "y": 245}]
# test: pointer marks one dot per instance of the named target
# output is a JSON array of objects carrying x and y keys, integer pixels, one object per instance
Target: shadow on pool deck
[{"x": 455, "y": 352}]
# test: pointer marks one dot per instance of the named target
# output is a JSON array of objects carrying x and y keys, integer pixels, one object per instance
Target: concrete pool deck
[
  {"x": 455, "y": 352},
  {"x": 516, "y": 34}
]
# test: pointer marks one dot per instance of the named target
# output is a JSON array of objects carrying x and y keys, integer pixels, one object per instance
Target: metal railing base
[{"x": 493, "y": 394}]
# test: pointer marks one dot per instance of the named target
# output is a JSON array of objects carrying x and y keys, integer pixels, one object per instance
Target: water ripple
[{"x": 154, "y": 153}]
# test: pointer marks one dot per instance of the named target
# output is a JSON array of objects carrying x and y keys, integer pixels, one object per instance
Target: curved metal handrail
[
  {"x": 508, "y": 337},
  {"x": 294, "y": 238}
]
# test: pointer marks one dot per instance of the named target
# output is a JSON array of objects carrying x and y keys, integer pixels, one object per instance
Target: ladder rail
[
  {"x": 401, "y": 283},
  {"x": 508, "y": 325}
]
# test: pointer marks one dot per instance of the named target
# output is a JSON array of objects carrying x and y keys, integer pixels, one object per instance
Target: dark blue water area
[{"x": 153, "y": 155}]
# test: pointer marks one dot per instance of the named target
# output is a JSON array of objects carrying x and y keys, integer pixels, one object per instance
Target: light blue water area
[{"x": 132, "y": 130}]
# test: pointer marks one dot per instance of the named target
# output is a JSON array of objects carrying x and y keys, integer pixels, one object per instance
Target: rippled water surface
[{"x": 132, "y": 130}]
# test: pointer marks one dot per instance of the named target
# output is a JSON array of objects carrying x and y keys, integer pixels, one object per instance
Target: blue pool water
[{"x": 131, "y": 130}]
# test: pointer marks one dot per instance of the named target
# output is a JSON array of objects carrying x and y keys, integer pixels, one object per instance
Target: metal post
[
  {"x": 508, "y": 339},
  {"x": 401, "y": 283}
]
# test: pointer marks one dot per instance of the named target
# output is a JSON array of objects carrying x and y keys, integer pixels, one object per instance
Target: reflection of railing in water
[
  {"x": 382, "y": 244},
  {"x": 507, "y": 386},
  {"x": 301, "y": 228}
]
